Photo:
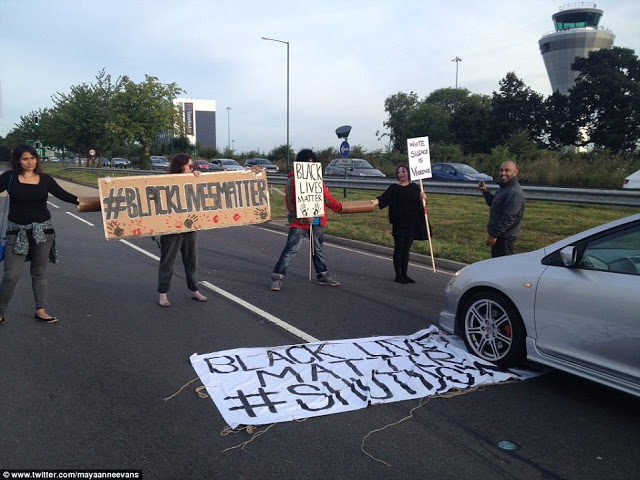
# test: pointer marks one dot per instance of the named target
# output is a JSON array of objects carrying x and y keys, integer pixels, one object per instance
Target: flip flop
[{"x": 164, "y": 303}]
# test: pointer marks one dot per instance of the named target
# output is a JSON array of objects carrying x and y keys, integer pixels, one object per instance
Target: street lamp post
[
  {"x": 228, "y": 129},
  {"x": 457, "y": 60},
  {"x": 287, "y": 43}
]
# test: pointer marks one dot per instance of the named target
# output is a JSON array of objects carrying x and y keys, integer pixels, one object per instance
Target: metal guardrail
[{"x": 617, "y": 197}]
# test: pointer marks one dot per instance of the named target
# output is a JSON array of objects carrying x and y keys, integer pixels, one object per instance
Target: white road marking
[
  {"x": 79, "y": 218},
  {"x": 267, "y": 316}
]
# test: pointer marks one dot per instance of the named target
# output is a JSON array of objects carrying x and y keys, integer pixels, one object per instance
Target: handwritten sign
[
  {"x": 309, "y": 190},
  {"x": 419, "y": 158},
  {"x": 258, "y": 386},
  {"x": 142, "y": 206}
]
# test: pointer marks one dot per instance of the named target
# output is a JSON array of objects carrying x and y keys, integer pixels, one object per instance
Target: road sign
[
  {"x": 92, "y": 153},
  {"x": 345, "y": 149},
  {"x": 31, "y": 142}
]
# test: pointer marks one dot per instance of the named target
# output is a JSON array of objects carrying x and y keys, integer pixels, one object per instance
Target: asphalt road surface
[{"x": 89, "y": 392}]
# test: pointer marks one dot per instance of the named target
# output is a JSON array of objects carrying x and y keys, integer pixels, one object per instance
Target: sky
[{"x": 345, "y": 57}]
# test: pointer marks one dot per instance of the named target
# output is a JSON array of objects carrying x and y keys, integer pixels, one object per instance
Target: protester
[
  {"x": 30, "y": 233},
  {"x": 185, "y": 243},
  {"x": 406, "y": 215},
  {"x": 506, "y": 212},
  {"x": 300, "y": 228}
]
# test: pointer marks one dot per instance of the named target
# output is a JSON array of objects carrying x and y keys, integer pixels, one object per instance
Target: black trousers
[
  {"x": 402, "y": 245},
  {"x": 503, "y": 247}
]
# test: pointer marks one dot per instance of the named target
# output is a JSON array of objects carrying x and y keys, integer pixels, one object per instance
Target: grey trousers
[
  {"x": 170, "y": 245},
  {"x": 13, "y": 264}
]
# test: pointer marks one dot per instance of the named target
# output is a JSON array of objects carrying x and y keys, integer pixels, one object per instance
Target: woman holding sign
[
  {"x": 30, "y": 233},
  {"x": 185, "y": 243},
  {"x": 406, "y": 215}
]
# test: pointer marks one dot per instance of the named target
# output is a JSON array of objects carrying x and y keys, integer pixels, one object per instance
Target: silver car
[
  {"x": 225, "y": 164},
  {"x": 574, "y": 306},
  {"x": 358, "y": 167}
]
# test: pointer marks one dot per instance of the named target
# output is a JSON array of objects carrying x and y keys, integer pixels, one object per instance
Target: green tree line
[{"x": 589, "y": 137}]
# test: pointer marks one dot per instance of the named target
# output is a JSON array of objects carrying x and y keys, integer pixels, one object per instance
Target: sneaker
[
  {"x": 276, "y": 284},
  {"x": 328, "y": 281}
]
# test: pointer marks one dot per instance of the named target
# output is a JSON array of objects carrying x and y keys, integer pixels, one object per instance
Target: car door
[{"x": 590, "y": 314}]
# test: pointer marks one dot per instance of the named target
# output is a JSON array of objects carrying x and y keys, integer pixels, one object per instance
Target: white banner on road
[{"x": 257, "y": 386}]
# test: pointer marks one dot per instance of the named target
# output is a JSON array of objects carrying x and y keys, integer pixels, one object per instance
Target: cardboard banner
[
  {"x": 258, "y": 386},
  {"x": 309, "y": 191},
  {"x": 142, "y": 206}
]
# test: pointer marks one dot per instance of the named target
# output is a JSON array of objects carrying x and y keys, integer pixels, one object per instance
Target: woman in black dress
[{"x": 404, "y": 200}]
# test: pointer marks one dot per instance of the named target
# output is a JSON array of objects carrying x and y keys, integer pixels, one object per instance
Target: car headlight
[{"x": 455, "y": 276}]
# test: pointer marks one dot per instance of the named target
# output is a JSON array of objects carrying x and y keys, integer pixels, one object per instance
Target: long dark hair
[
  {"x": 16, "y": 153},
  {"x": 178, "y": 162}
]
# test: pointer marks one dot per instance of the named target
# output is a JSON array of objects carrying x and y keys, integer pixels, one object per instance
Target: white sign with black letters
[
  {"x": 309, "y": 189},
  {"x": 258, "y": 386},
  {"x": 419, "y": 157}
]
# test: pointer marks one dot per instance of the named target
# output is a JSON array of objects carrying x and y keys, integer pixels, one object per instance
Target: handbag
[{"x": 3, "y": 240}]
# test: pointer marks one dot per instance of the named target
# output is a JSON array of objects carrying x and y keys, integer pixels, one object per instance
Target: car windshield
[
  {"x": 362, "y": 165},
  {"x": 462, "y": 168},
  {"x": 230, "y": 162}
]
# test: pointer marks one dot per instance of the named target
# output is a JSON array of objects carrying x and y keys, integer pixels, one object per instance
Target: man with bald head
[{"x": 506, "y": 212}]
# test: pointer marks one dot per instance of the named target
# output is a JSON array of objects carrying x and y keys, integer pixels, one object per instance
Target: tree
[
  {"x": 142, "y": 111},
  {"x": 606, "y": 96},
  {"x": 559, "y": 128},
  {"x": 451, "y": 99},
  {"x": 427, "y": 120},
  {"x": 516, "y": 107},
  {"x": 398, "y": 107},
  {"x": 80, "y": 119},
  {"x": 472, "y": 126}
]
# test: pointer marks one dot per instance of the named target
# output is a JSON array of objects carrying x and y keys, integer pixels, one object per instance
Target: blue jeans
[{"x": 294, "y": 241}]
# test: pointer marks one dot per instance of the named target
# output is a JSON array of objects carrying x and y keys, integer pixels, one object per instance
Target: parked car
[
  {"x": 572, "y": 305},
  {"x": 458, "y": 172},
  {"x": 225, "y": 164},
  {"x": 359, "y": 168},
  {"x": 262, "y": 162},
  {"x": 202, "y": 165},
  {"x": 119, "y": 162},
  {"x": 105, "y": 162},
  {"x": 632, "y": 181},
  {"x": 159, "y": 163}
]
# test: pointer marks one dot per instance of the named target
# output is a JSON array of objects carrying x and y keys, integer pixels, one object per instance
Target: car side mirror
[{"x": 569, "y": 256}]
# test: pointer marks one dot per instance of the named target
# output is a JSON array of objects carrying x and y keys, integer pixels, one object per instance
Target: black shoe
[
  {"x": 409, "y": 279},
  {"x": 46, "y": 320},
  {"x": 400, "y": 280}
]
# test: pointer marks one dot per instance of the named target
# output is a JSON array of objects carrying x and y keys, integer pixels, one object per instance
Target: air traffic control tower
[{"x": 577, "y": 33}]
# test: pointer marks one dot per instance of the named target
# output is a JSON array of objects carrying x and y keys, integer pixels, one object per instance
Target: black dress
[{"x": 405, "y": 216}]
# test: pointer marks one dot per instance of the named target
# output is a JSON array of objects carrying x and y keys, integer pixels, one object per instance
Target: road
[{"x": 89, "y": 392}]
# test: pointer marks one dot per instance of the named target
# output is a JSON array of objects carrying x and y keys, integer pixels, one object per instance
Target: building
[
  {"x": 199, "y": 117},
  {"x": 576, "y": 34}
]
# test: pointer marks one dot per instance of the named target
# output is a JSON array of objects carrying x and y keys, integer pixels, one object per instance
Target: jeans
[
  {"x": 39, "y": 255},
  {"x": 170, "y": 245},
  {"x": 294, "y": 241}
]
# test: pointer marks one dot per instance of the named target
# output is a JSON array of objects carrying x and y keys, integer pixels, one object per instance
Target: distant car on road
[
  {"x": 265, "y": 163},
  {"x": 202, "y": 165},
  {"x": 105, "y": 162},
  {"x": 632, "y": 181},
  {"x": 225, "y": 164},
  {"x": 572, "y": 305},
  {"x": 159, "y": 163},
  {"x": 359, "y": 168},
  {"x": 119, "y": 162},
  {"x": 458, "y": 172}
]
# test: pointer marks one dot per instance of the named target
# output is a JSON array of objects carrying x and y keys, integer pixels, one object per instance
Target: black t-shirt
[{"x": 28, "y": 203}]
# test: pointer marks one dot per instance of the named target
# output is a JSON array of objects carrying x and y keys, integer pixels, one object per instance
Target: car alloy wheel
[{"x": 493, "y": 330}]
